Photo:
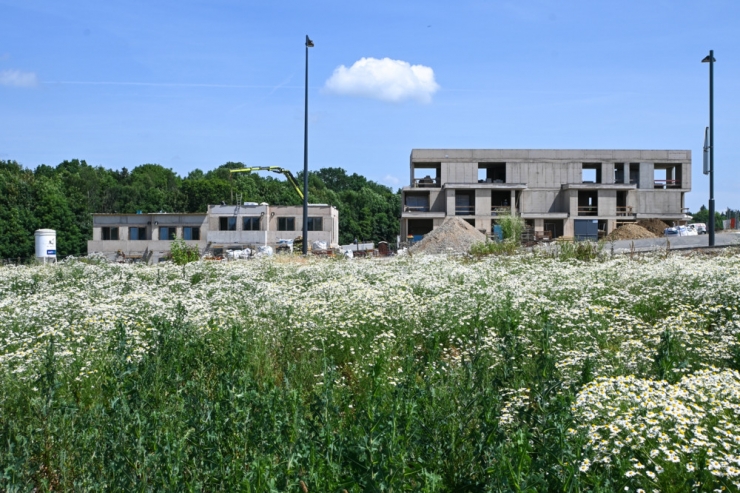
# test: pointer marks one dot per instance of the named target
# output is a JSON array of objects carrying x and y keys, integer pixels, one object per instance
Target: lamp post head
[
  {"x": 709, "y": 58},
  {"x": 309, "y": 43}
]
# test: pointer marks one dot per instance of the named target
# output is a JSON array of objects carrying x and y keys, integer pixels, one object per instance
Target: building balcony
[
  {"x": 588, "y": 210},
  {"x": 625, "y": 211}
]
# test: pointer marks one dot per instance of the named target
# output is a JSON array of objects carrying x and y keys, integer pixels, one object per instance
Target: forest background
[{"x": 64, "y": 198}]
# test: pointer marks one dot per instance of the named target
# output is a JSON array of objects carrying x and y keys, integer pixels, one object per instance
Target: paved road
[{"x": 676, "y": 242}]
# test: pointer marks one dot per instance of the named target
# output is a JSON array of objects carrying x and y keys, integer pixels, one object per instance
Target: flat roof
[{"x": 576, "y": 154}]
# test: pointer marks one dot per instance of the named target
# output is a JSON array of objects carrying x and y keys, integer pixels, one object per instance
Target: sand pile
[
  {"x": 630, "y": 232},
  {"x": 453, "y": 236},
  {"x": 655, "y": 226}
]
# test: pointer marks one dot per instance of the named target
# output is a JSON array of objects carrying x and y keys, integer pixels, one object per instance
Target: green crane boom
[{"x": 275, "y": 169}]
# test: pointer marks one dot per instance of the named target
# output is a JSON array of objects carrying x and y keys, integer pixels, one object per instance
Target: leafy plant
[
  {"x": 511, "y": 226},
  {"x": 182, "y": 253},
  {"x": 506, "y": 247}
]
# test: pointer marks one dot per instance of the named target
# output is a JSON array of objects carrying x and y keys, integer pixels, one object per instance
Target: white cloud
[
  {"x": 18, "y": 78},
  {"x": 386, "y": 79}
]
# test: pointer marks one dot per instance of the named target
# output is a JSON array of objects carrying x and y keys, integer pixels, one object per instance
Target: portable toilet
[{"x": 46, "y": 245}]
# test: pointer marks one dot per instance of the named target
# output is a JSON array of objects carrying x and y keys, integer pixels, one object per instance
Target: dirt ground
[
  {"x": 453, "y": 236},
  {"x": 630, "y": 232}
]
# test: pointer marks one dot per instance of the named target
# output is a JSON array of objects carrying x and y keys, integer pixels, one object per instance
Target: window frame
[
  {"x": 252, "y": 220},
  {"x": 139, "y": 230},
  {"x": 194, "y": 233},
  {"x": 287, "y": 221},
  {"x": 226, "y": 220},
  {"x": 168, "y": 228},
  {"x": 112, "y": 233},
  {"x": 312, "y": 223}
]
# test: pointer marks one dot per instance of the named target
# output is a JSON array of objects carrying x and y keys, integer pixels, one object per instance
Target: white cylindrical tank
[{"x": 46, "y": 245}]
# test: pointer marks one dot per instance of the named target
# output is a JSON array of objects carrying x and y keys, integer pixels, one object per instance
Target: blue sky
[{"x": 190, "y": 84}]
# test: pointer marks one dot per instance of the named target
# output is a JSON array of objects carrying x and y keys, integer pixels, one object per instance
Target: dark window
[
  {"x": 191, "y": 233},
  {"x": 167, "y": 233},
  {"x": 417, "y": 203},
  {"x": 110, "y": 233},
  {"x": 286, "y": 224},
  {"x": 315, "y": 224},
  {"x": 136, "y": 233},
  {"x": 227, "y": 224},
  {"x": 251, "y": 223}
]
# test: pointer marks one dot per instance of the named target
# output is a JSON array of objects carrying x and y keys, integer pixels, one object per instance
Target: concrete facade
[
  {"x": 549, "y": 189},
  {"x": 223, "y": 227}
]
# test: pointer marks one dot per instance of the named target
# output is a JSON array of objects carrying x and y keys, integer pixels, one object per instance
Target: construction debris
[
  {"x": 630, "y": 232},
  {"x": 453, "y": 236},
  {"x": 655, "y": 226}
]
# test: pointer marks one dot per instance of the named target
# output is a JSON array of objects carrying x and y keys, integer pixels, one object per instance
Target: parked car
[
  {"x": 679, "y": 231},
  {"x": 700, "y": 228}
]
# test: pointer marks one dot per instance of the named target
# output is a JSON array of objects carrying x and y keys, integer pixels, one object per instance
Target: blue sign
[{"x": 51, "y": 252}]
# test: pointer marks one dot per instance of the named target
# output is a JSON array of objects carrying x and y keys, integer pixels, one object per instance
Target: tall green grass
[{"x": 470, "y": 394}]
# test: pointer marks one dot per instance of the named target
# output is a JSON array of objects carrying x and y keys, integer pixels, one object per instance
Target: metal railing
[
  {"x": 465, "y": 210},
  {"x": 667, "y": 184},
  {"x": 415, "y": 208},
  {"x": 588, "y": 210}
]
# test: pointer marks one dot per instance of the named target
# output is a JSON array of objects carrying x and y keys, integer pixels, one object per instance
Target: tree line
[{"x": 64, "y": 198}]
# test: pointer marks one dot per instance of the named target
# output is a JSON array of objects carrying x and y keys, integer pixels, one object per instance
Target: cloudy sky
[{"x": 190, "y": 84}]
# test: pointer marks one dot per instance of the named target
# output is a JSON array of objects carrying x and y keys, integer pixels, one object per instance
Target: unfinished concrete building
[
  {"x": 557, "y": 192},
  {"x": 222, "y": 228}
]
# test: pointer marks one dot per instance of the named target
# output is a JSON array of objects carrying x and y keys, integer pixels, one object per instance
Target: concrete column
[
  {"x": 512, "y": 201},
  {"x": 647, "y": 175},
  {"x": 450, "y": 209},
  {"x": 572, "y": 200},
  {"x": 539, "y": 224},
  {"x": 607, "y": 203},
  {"x": 607, "y": 172},
  {"x": 123, "y": 233},
  {"x": 483, "y": 202},
  {"x": 568, "y": 229},
  {"x": 686, "y": 176}
]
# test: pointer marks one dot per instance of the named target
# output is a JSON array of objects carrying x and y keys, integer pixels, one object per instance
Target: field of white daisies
[{"x": 427, "y": 374}]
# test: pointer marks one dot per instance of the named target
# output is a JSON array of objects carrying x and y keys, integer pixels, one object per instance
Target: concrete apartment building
[
  {"x": 223, "y": 227},
  {"x": 563, "y": 192}
]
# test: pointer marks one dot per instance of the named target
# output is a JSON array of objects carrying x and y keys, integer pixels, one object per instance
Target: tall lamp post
[
  {"x": 309, "y": 44},
  {"x": 710, "y": 227}
]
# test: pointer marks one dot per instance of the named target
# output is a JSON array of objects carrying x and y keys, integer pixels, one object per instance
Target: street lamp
[
  {"x": 710, "y": 227},
  {"x": 309, "y": 44}
]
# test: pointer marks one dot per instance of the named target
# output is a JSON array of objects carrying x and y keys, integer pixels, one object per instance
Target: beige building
[
  {"x": 563, "y": 192},
  {"x": 222, "y": 228}
]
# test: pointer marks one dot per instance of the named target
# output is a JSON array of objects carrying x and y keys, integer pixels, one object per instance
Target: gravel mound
[
  {"x": 453, "y": 236},
  {"x": 655, "y": 226},
  {"x": 630, "y": 232}
]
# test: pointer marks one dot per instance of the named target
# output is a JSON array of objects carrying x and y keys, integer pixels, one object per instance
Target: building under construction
[{"x": 574, "y": 193}]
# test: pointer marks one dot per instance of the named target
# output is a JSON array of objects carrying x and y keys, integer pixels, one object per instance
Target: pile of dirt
[
  {"x": 630, "y": 232},
  {"x": 655, "y": 226},
  {"x": 453, "y": 236}
]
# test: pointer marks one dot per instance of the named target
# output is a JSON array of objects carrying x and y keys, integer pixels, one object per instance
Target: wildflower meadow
[{"x": 424, "y": 373}]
